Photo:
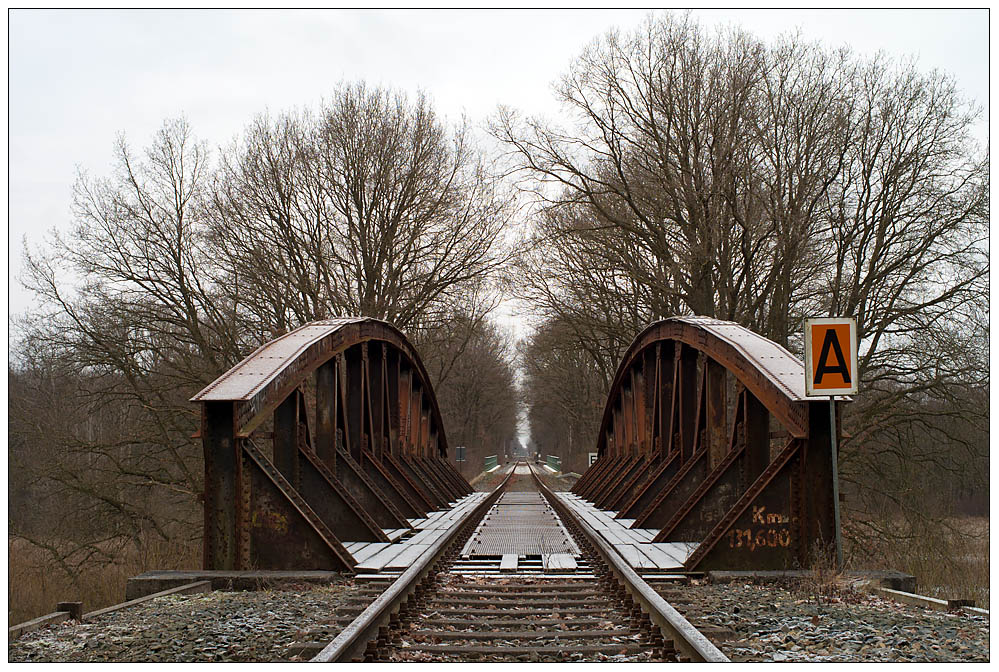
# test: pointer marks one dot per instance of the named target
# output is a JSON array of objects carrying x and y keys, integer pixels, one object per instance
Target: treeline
[
  {"x": 699, "y": 173},
  {"x": 709, "y": 173},
  {"x": 180, "y": 263}
]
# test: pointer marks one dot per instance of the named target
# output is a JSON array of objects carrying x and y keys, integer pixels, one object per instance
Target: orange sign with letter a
[{"x": 830, "y": 356}]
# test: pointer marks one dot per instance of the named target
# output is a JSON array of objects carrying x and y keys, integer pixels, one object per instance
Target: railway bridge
[
  {"x": 326, "y": 461},
  {"x": 710, "y": 456}
]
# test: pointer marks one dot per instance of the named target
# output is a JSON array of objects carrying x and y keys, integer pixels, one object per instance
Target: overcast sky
[{"x": 78, "y": 78}]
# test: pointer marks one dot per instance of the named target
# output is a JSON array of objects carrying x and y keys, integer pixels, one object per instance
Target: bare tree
[
  {"x": 143, "y": 327},
  {"x": 570, "y": 274},
  {"x": 662, "y": 117},
  {"x": 908, "y": 224},
  {"x": 175, "y": 269},
  {"x": 763, "y": 184},
  {"x": 564, "y": 393},
  {"x": 470, "y": 362},
  {"x": 371, "y": 206}
]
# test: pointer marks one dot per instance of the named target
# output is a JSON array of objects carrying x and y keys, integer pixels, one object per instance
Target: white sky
[{"x": 78, "y": 78}]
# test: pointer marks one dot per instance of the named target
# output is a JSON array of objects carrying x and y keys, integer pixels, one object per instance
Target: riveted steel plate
[
  {"x": 242, "y": 381},
  {"x": 782, "y": 368}
]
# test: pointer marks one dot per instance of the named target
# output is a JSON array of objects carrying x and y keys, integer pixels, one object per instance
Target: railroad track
[{"x": 482, "y": 593}]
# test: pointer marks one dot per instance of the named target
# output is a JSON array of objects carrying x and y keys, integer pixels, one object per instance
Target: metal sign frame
[{"x": 810, "y": 389}]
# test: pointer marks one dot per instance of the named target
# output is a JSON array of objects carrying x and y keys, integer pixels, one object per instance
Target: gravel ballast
[
  {"x": 795, "y": 624},
  {"x": 747, "y": 622},
  {"x": 205, "y": 627}
]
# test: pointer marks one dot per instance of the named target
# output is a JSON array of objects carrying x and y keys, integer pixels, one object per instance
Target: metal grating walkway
[{"x": 520, "y": 523}]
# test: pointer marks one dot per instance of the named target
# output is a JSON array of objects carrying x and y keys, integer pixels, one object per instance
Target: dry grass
[
  {"x": 36, "y": 583},
  {"x": 949, "y": 561}
]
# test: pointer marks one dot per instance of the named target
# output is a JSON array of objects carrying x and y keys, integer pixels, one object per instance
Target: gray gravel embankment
[
  {"x": 748, "y": 622},
  {"x": 205, "y": 627},
  {"x": 793, "y": 624}
]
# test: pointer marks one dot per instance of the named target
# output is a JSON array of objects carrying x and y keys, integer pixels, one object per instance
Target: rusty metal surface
[
  {"x": 261, "y": 366},
  {"x": 774, "y": 375},
  {"x": 267, "y": 376},
  {"x": 285, "y": 533},
  {"x": 759, "y": 530},
  {"x": 781, "y": 367},
  {"x": 361, "y": 471},
  {"x": 733, "y": 393}
]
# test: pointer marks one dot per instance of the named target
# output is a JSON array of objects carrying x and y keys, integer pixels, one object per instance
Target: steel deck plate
[{"x": 520, "y": 523}]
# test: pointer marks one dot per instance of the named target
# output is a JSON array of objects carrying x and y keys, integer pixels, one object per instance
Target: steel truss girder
[
  {"x": 625, "y": 481},
  {"x": 377, "y": 453},
  {"x": 685, "y": 444}
]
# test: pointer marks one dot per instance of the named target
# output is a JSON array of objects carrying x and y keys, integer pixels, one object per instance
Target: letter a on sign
[{"x": 830, "y": 356}]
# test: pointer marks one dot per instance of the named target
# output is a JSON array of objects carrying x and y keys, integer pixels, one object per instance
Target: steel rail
[
  {"x": 686, "y": 638},
  {"x": 352, "y": 641}
]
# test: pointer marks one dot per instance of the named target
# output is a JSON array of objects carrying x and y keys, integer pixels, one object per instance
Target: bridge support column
[
  {"x": 715, "y": 401},
  {"x": 757, "y": 440},
  {"x": 687, "y": 397},
  {"x": 819, "y": 527},
  {"x": 223, "y": 487}
]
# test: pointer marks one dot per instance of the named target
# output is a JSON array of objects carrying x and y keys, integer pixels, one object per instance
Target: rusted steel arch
[
  {"x": 706, "y": 433},
  {"x": 370, "y": 458},
  {"x": 769, "y": 371},
  {"x": 266, "y": 377}
]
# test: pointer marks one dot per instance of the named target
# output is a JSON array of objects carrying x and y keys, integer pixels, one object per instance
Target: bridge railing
[
  {"x": 490, "y": 462},
  {"x": 554, "y": 462}
]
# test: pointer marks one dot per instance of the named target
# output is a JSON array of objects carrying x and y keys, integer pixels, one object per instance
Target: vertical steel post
[
  {"x": 716, "y": 406},
  {"x": 756, "y": 425},
  {"x": 287, "y": 430},
  {"x": 326, "y": 395},
  {"x": 835, "y": 465},
  {"x": 835, "y": 481},
  {"x": 224, "y": 521},
  {"x": 687, "y": 395}
]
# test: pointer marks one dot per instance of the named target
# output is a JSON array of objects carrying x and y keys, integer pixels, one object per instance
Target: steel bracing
[
  {"x": 358, "y": 448},
  {"x": 708, "y": 437}
]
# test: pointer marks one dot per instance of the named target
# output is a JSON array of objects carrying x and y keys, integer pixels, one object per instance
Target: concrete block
[{"x": 15, "y": 631}]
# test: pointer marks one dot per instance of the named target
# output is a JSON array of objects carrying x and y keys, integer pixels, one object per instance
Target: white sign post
[{"x": 831, "y": 369}]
